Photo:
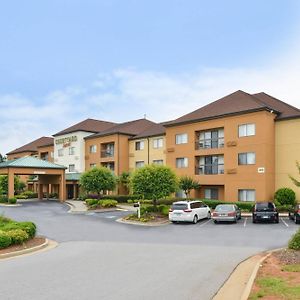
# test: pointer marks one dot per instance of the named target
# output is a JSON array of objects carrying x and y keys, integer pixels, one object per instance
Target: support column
[
  {"x": 75, "y": 191},
  {"x": 40, "y": 191},
  {"x": 11, "y": 184},
  {"x": 62, "y": 188},
  {"x": 47, "y": 190}
]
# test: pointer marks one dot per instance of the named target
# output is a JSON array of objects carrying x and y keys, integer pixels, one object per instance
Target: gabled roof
[
  {"x": 33, "y": 146},
  {"x": 30, "y": 162},
  {"x": 130, "y": 128},
  {"x": 286, "y": 111},
  {"x": 238, "y": 102},
  {"x": 154, "y": 130},
  {"x": 88, "y": 125}
]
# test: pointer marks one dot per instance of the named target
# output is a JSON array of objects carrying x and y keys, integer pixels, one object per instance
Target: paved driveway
[{"x": 98, "y": 258}]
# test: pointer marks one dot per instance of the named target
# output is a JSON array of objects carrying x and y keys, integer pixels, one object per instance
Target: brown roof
[
  {"x": 154, "y": 130},
  {"x": 128, "y": 128},
  {"x": 286, "y": 111},
  {"x": 33, "y": 146},
  {"x": 238, "y": 102},
  {"x": 88, "y": 125}
]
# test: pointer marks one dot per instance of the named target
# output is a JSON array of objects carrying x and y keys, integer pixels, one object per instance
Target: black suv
[
  {"x": 265, "y": 211},
  {"x": 294, "y": 214}
]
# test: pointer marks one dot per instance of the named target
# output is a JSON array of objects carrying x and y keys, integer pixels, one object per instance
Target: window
[
  {"x": 211, "y": 165},
  {"x": 211, "y": 193},
  {"x": 158, "y": 143},
  {"x": 107, "y": 150},
  {"x": 71, "y": 168},
  {"x": 181, "y": 138},
  {"x": 71, "y": 150},
  {"x": 247, "y": 158},
  {"x": 139, "y": 145},
  {"x": 211, "y": 139},
  {"x": 93, "y": 148},
  {"x": 247, "y": 195},
  {"x": 181, "y": 162},
  {"x": 246, "y": 130},
  {"x": 139, "y": 164},
  {"x": 158, "y": 162},
  {"x": 60, "y": 152},
  {"x": 195, "y": 205},
  {"x": 92, "y": 166}
]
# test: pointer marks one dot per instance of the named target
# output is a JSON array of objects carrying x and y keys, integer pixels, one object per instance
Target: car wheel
[
  {"x": 208, "y": 215},
  {"x": 195, "y": 220},
  {"x": 215, "y": 221},
  {"x": 277, "y": 220},
  {"x": 253, "y": 220}
]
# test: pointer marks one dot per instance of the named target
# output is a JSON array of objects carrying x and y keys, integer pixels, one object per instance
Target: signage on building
[
  {"x": 39, "y": 172},
  {"x": 261, "y": 170},
  {"x": 66, "y": 140}
]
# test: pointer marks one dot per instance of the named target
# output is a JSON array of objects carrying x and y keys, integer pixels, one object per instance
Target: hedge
[
  {"x": 294, "y": 242},
  {"x": 102, "y": 203}
]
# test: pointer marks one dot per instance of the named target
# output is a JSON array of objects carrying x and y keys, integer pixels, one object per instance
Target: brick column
[{"x": 11, "y": 184}]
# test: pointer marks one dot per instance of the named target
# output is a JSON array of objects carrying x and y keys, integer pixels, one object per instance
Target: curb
[
  {"x": 47, "y": 245},
  {"x": 142, "y": 224},
  {"x": 73, "y": 207},
  {"x": 10, "y": 205}
]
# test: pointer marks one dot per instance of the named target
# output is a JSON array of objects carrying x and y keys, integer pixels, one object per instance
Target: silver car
[{"x": 226, "y": 212}]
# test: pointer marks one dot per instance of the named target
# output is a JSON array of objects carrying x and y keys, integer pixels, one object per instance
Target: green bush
[
  {"x": 294, "y": 242},
  {"x": 21, "y": 196},
  {"x": 12, "y": 200},
  {"x": 18, "y": 236},
  {"x": 4, "y": 220},
  {"x": 3, "y": 199},
  {"x": 108, "y": 203},
  {"x": 5, "y": 240},
  {"x": 121, "y": 198},
  {"x": 285, "y": 196},
  {"x": 90, "y": 202},
  {"x": 30, "y": 194},
  {"x": 28, "y": 227},
  {"x": 53, "y": 195}
]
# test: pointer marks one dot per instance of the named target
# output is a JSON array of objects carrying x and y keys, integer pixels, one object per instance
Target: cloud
[{"x": 126, "y": 94}]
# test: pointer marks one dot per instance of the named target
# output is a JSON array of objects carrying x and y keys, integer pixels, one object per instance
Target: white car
[{"x": 189, "y": 211}]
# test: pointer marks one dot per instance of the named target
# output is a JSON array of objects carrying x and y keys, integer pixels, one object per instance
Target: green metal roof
[
  {"x": 30, "y": 162},
  {"x": 72, "y": 176}
]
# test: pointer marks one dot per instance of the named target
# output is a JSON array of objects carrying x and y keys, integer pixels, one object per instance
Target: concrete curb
[
  {"x": 47, "y": 245},
  {"x": 10, "y": 205},
  {"x": 121, "y": 220},
  {"x": 239, "y": 284}
]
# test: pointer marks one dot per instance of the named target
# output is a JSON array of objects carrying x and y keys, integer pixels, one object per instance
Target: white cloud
[{"x": 128, "y": 93}]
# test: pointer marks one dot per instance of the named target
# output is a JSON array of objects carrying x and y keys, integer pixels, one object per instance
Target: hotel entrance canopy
[{"x": 47, "y": 172}]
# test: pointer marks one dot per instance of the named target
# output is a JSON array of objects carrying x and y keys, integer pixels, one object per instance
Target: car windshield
[
  {"x": 179, "y": 206},
  {"x": 224, "y": 208},
  {"x": 266, "y": 206}
]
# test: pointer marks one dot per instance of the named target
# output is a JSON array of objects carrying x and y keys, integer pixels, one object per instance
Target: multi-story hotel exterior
[{"x": 241, "y": 147}]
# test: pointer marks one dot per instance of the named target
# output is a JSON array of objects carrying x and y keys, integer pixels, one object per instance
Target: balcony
[
  {"x": 210, "y": 170},
  {"x": 107, "y": 150},
  {"x": 105, "y": 153},
  {"x": 209, "y": 143}
]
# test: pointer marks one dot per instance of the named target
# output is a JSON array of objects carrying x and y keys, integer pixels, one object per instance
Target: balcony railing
[
  {"x": 209, "y": 143},
  {"x": 107, "y": 153},
  {"x": 210, "y": 169}
]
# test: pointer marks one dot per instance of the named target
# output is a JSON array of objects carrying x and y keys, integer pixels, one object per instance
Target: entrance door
[{"x": 70, "y": 191}]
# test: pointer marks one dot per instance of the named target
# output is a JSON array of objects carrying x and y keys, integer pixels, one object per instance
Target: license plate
[
  {"x": 223, "y": 215},
  {"x": 177, "y": 214},
  {"x": 266, "y": 217}
]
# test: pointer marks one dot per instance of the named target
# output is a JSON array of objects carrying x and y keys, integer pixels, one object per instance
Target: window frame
[
  {"x": 179, "y": 140},
  {"x": 246, "y": 125},
  {"x": 184, "y": 165},
  {"x": 246, "y": 158}
]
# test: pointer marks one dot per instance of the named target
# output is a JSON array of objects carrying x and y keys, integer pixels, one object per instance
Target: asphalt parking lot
[{"x": 98, "y": 258}]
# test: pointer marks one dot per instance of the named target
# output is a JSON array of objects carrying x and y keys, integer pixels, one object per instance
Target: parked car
[
  {"x": 265, "y": 211},
  {"x": 294, "y": 214},
  {"x": 226, "y": 212},
  {"x": 189, "y": 211}
]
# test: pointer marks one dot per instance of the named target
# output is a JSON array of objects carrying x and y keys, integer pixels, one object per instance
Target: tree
[
  {"x": 124, "y": 180},
  {"x": 2, "y": 158},
  {"x": 154, "y": 182},
  {"x": 187, "y": 183},
  {"x": 98, "y": 180},
  {"x": 18, "y": 184},
  {"x": 295, "y": 181},
  {"x": 285, "y": 196}
]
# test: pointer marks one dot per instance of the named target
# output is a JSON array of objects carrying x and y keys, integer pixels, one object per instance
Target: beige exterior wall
[
  {"x": 148, "y": 154},
  {"x": 287, "y": 152},
  {"x": 235, "y": 176}
]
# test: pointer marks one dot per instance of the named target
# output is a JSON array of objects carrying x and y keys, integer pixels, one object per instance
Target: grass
[
  {"x": 272, "y": 286},
  {"x": 291, "y": 268}
]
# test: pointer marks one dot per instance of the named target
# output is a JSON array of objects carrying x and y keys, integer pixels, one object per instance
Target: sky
[{"x": 62, "y": 61}]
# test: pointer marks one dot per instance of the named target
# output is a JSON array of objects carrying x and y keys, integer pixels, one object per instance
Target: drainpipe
[{"x": 148, "y": 150}]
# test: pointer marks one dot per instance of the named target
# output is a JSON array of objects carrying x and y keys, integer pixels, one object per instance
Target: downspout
[{"x": 148, "y": 150}]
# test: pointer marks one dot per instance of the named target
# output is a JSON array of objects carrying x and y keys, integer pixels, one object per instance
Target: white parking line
[
  {"x": 284, "y": 222},
  {"x": 110, "y": 217},
  {"x": 205, "y": 223},
  {"x": 245, "y": 222}
]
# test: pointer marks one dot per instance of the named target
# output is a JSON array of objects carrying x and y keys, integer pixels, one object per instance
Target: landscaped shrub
[
  {"x": 30, "y": 194},
  {"x": 12, "y": 200},
  {"x": 4, "y": 220},
  {"x": 29, "y": 227},
  {"x": 18, "y": 236},
  {"x": 285, "y": 196},
  {"x": 21, "y": 196},
  {"x": 108, "y": 203},
  {"x": 90, "y": 202},
  {"x": 121, "y": 198},
  {"x": 294, "y": 242},
  {"x": 5, "y": 240},
  {"x": 3, "y": 199},
  {"x": 53, "y": 195}
]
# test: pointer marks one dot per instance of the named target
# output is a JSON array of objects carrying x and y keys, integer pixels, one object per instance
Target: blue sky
[{"x": 63, "y": 61}]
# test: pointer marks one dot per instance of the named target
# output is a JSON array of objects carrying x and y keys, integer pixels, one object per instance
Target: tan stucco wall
[
  {"x": 148, "y": 154},
  {"x": 287, "y": 152},
  {"x": 245, "y": 177}
]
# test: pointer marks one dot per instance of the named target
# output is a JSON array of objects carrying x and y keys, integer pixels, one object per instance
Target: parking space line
[
  {"x": 205, "y": 222},
  {"x": 245, "y": 222},
  {"x": 285, "y": 223}
]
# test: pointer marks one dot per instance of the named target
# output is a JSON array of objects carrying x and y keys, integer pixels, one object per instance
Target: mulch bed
[{"x": 29, "y": 244}]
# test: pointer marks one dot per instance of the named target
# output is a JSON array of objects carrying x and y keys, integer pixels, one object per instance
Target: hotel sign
[{"x": 66, "y": 140}]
